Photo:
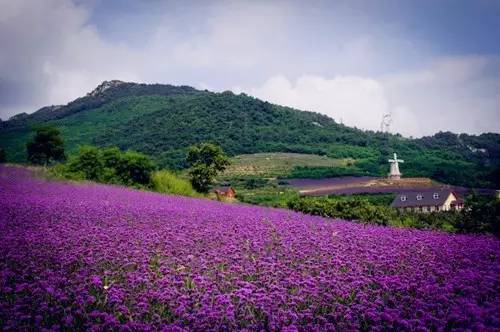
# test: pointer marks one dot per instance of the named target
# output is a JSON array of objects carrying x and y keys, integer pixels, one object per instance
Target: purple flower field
[
  {"x": 348, "y": 185},
  {"x": 85, "y": 256}
]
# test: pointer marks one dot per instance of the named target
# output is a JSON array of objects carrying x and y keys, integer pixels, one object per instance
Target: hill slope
[
  {"x": 162, "y": 120},
  {"x": 277, "y": 164}
]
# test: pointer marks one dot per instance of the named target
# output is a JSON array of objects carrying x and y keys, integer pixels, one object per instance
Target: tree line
[
  {"x": 480, "y": 213},
  {"x": 207, "y": 160},
  {"x": 112, "y": 165}
]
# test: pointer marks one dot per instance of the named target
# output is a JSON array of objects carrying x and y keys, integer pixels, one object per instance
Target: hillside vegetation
[
  {"x": 163, "y": 120},
  {"x": 278, "y": 164}
]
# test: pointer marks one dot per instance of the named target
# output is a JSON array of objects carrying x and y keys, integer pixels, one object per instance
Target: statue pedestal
[{"x": 394, "y": 176}]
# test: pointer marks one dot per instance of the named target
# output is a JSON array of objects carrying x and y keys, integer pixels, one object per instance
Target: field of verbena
[{"x": 101, "y": 257}]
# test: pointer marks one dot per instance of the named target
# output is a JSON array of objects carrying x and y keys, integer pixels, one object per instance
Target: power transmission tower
[{"x": 384, "y": 129}]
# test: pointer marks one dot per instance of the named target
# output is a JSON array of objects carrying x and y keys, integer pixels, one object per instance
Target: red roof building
[{"x": 225, "y": 192}]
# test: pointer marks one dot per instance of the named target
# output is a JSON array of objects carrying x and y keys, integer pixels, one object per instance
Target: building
[
  {"x": 428, "y": 200},
  {"x": 225, "y": 192},
  {"x": 395, "y": 174}
]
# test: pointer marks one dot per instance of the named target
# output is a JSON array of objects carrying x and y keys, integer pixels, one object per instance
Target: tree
[
  {"x": 87, "y": 161},
  {"x": 480, "y": 214},
  {"x": 3, "y": 157},
  {"x": 134, "y": 168},
  {"x": 110, "y": 165},
  {"x": 46, "y": 146},
  {"x": 205, "y": 160},
  {"x": 494, "y": 176},
  {"x": 111, "y": 156}
]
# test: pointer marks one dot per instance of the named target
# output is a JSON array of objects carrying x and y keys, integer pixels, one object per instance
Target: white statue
[{"x": 395, "y": 174}]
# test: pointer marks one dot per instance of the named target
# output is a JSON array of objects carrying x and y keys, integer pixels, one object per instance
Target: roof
[
  {"x": 427, "y": 198},
  {"x": 223, "y": 190}
]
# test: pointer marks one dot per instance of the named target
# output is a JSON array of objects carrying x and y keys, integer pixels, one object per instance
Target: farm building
[
  {"x": 429, "y": 200},
  {"x": 225, "y": 192}
]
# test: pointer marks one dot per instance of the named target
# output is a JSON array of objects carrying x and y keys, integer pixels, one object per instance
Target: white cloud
[
  {"x": 51, "y": 54},
  {"x": 237, "y": 35},
  {"x": 357, "y": 101},
  {"x": 455, "y": 94}
]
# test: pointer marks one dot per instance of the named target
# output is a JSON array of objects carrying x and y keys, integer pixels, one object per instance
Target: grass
[
  {"x": 267, "y": 196},
  {"x": 169, "y": 183},
  {"x": 277, "y": 164},
  {"x": 162, "y": 181}
]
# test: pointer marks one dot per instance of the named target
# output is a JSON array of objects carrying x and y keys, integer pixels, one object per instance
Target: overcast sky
[{"x": 434, "y": 65}]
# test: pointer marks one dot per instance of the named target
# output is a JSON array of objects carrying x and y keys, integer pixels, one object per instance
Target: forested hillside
[{"x": 163, "y": 120}]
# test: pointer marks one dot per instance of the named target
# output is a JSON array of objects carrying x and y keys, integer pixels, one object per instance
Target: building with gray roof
[{"x": 429, "y": 200}]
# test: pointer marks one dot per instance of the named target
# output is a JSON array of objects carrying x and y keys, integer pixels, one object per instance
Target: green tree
[
  {"x": 88, "y": 161},
  {"x": 480, "y": 214},
  {"x": 3, "y": 156},
  {"x": 494, "y": 176},
  {"x": 111, "y": 156},
  {"x": 112, "y": 159},
  {"x": 134, "y": 168},
  {"x": 110, "y": 165},
  {"x": 45, "y": 146},
  {"x": 205, "y": 160}
]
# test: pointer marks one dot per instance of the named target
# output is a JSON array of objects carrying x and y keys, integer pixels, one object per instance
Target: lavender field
[{"x": 85, "y": 256}]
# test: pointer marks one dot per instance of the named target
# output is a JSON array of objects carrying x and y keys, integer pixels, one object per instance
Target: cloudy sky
[{"x": 433, "y": 64}]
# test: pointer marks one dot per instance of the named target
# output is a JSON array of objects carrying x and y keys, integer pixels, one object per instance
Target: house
[
  {"x": 225, "y": 192},
  {"x": 428, "y": 200}
]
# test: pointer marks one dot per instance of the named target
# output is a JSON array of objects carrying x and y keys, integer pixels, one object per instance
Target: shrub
[
  {"x": 351, "y": 209},
  {"x": 134, "y": 168},
  {"x": 87, "y": 161},
  {"x": 108, "y": 165},
  {"x": 3, "y": 156},
  {"x": 254, "y": 183},
  {"x": 167, "y": 182},
  {"x": 480, "y": 214},
  {"x": 61, "y": 171},
  {"x": 375, "y": 199},
  {"x": 267, "y": 196},
  {"x": 111, "y": 156},
  {"x": 362, "y": 210}
]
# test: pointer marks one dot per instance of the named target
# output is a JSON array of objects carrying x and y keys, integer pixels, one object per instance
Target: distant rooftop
[{"x": 427, "y": 197}]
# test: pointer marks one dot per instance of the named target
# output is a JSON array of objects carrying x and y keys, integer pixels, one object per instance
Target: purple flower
[
  {"x": 97, "y": 257},
  {"x": 96, "y": 281}
]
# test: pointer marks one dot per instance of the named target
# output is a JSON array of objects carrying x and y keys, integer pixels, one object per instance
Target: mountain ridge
[
  {"x": 101, "y": 94},
  {"x": 162, "y": 120},
  {"x": 137, "y": 89}
]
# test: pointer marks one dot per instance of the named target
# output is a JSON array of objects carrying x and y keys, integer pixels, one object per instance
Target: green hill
[
  {"x": 163, "y": 120},
  {"x": 278, "y": 164}
]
